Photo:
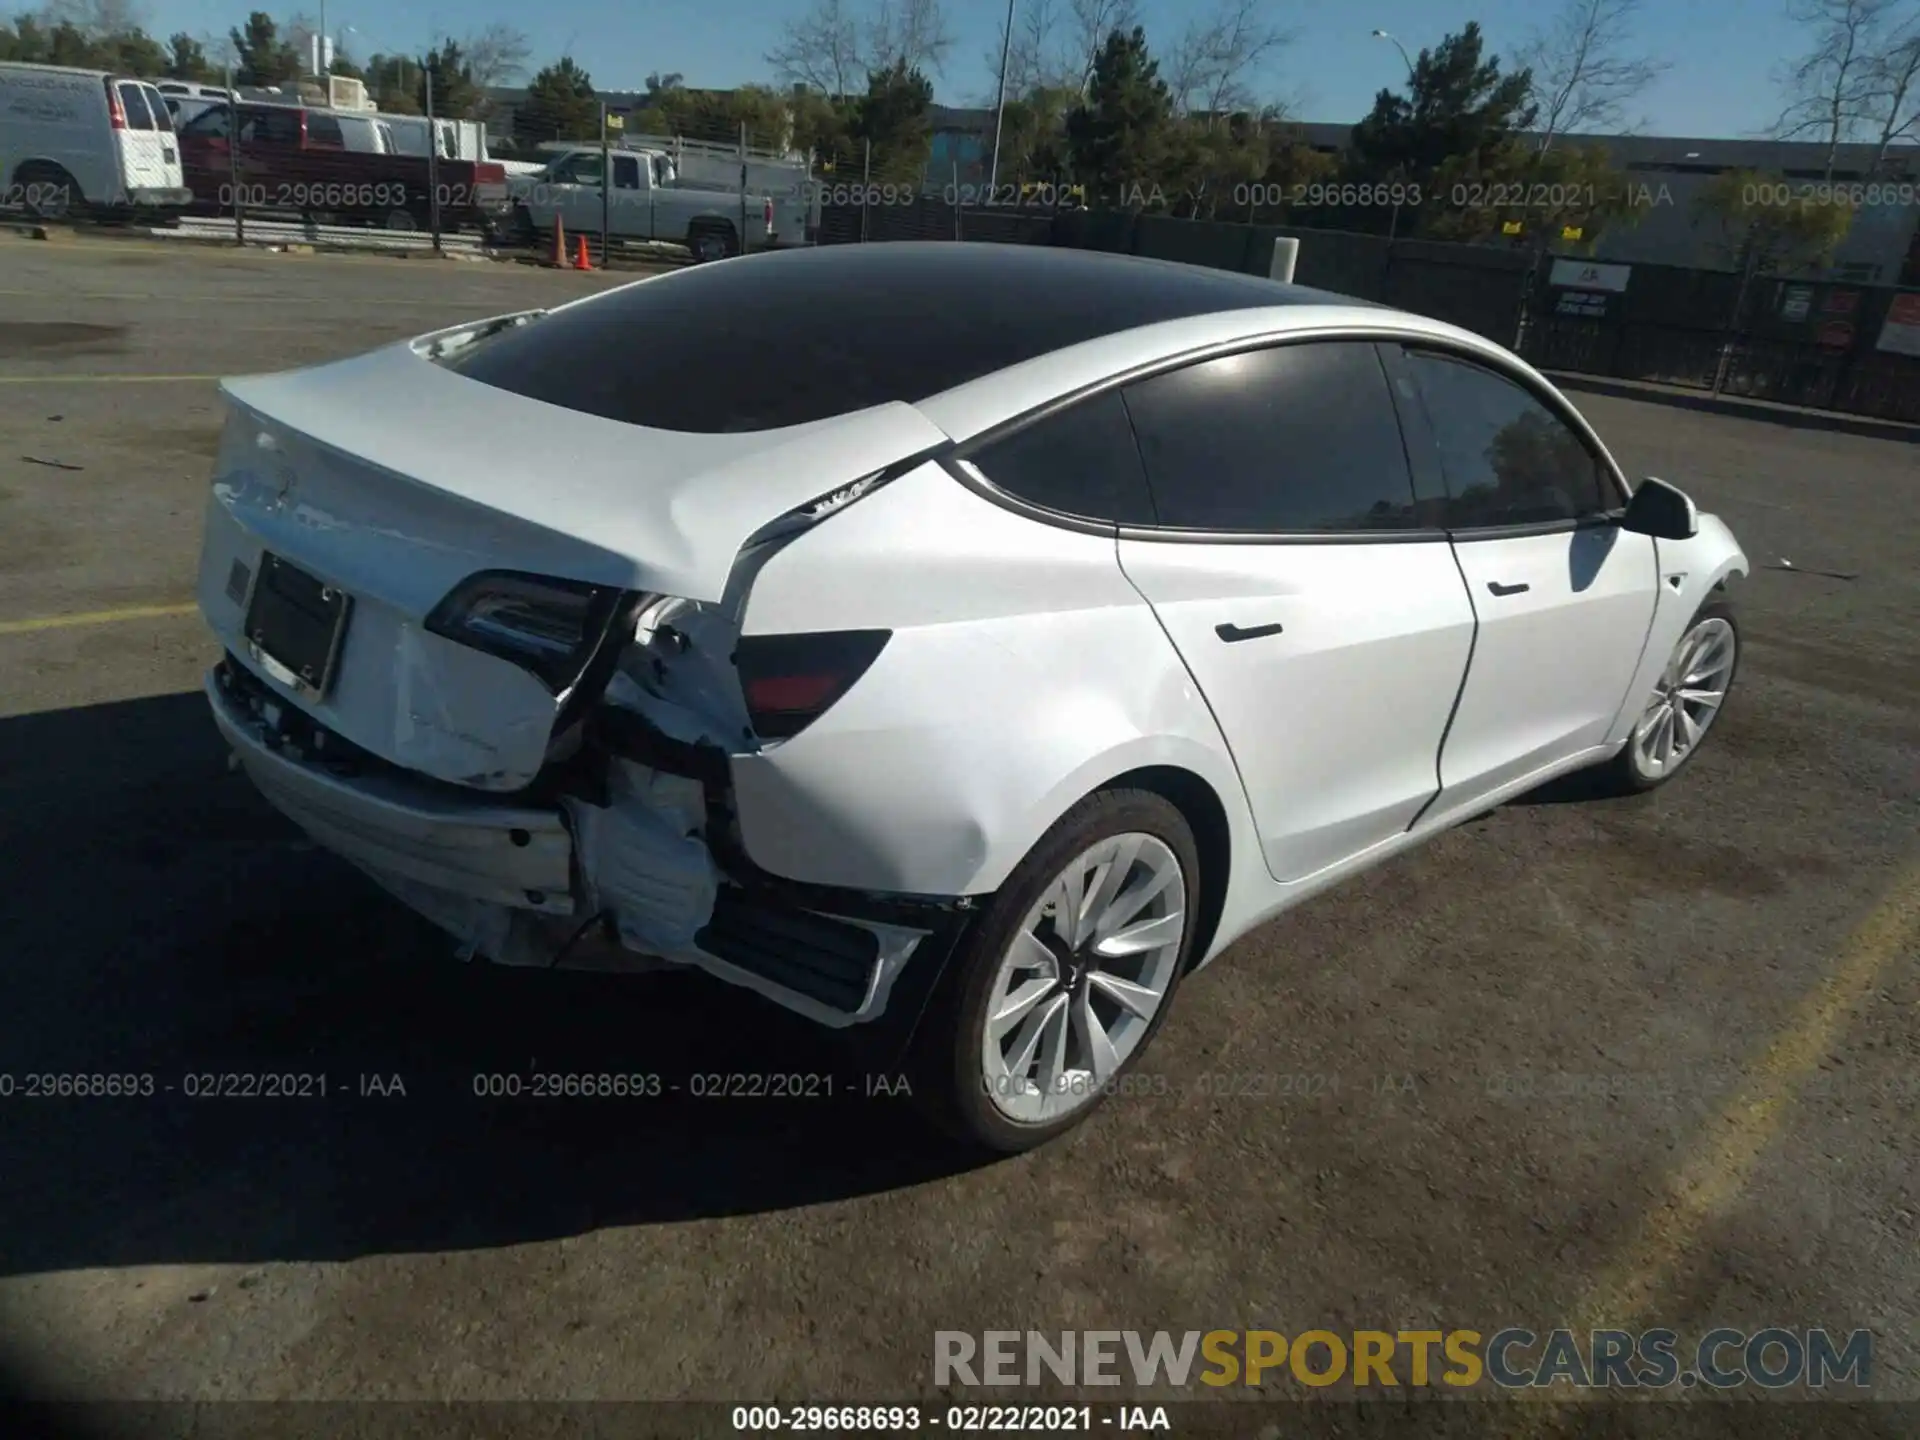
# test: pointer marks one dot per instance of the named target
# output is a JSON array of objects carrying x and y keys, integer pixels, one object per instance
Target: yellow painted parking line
[
  {"x": 103, "y": 379},
  {"x": 95, "y": 617},
  {"x": 1706, "y": 1187}
]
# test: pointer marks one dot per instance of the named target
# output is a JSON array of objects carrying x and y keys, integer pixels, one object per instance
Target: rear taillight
[
  {"x": 791, "y": 680},
  {"x": 545, "y": 626},
  {"x": 116, "y": 112},
  {"x": 767, "y": 210},
  {"x": 489, "y": 174}
]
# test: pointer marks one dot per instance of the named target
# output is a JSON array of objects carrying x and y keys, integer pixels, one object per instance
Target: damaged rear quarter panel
[{"x": 1023, "y": 672}]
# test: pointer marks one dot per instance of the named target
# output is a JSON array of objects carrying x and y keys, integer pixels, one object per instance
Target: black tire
[
  {"x": 47, "y": 192},
  {"x": 519, "y": 229},
  {"x": 1625, "y": 774},
  {"x": 714, "y": 240},
  {"x": 945, "y": 1063}
]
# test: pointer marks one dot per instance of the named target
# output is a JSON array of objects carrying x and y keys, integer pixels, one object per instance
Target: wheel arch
[{"x": 1200, "y": 806}]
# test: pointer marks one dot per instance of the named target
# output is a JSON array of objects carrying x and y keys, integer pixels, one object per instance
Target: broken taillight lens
[
  {"x": 546, "y": 626},
  {"x": 790, "y": 681}
]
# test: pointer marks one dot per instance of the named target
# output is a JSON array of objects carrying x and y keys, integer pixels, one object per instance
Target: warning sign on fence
[{"x": 1901, "y": 333}]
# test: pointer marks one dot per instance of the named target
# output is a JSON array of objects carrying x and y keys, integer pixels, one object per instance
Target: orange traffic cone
[
  {"x": 558, "y": 259},
  {"x": 581, "y": 260}
]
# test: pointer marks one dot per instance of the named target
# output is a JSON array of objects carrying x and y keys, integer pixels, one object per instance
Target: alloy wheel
[
  {"x": 1687, "y": 698},
  {"x": 1087, "y": 971}
]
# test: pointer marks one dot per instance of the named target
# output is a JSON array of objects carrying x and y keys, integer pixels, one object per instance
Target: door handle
[
  {"x": 1497, "y": 588},
  {"x": 1231, "y": 633}
]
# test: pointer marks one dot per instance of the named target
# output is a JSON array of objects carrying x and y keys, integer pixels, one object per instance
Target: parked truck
[{"x": 646, "y": 203}]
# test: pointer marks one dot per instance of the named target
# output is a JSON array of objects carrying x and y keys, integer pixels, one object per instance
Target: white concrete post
[{"x": 1286, "y": 250}]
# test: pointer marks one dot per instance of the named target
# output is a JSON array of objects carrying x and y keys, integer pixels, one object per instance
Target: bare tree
[
  {"x": 1894, "y": 90},
  {"x": 1034, "y": 56},
  {"x": 1583, "y": 76},
  {"x": 94, "y": 18},
  {"x": 1217, "y": 56},
  {"x": 912, "y": 33},
  {"x": 1093, "y": 21},
  {"x": 1830, "y": 89},
  {"x": 822, "y": 49},
  {"x": 496, "y": 56}
]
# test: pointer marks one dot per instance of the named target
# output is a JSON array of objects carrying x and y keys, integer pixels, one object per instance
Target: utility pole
[{"x": 1000, "y": 108}]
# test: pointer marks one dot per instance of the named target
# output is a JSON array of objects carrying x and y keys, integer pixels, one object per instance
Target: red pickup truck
[{"x": 293, "y": 160}]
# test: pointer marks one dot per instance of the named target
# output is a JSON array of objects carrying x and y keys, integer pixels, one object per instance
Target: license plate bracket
[{"x": 296, "y": 624}]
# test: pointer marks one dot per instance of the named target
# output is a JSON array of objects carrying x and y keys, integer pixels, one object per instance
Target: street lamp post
[
  {"x": 1000, "y": 108},
  {"x": 1393, "y": 223}
]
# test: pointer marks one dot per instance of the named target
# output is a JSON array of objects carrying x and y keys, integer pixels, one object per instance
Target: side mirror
[{"x": 1661, "y": 510}]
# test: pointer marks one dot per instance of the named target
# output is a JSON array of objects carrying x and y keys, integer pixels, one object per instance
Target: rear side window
[
  {"x": 1080, "y": 461},
  {"x": 133, "y": 99},
  {"x": 1298, "y": 438},
  {"x": 1508, "y": 459},
  {"x": 325, "y": 130}
]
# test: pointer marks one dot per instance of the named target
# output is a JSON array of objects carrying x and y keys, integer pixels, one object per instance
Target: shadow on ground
[{"x": 162, "y": 921}]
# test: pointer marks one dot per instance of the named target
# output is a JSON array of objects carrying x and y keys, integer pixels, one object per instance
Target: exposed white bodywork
[{"x": 1029, "y": 664}]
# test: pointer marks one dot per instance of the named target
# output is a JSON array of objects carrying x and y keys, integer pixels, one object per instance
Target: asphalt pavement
[{"x": 1644, "y": 1062}]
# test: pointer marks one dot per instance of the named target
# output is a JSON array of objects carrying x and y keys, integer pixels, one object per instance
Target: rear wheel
[
  {"x": 712, "y": 242},
  {"x": 1066, "y": 978},
  {"x": 401, "y": 220},
  {"x": 1687, "y": 699}
]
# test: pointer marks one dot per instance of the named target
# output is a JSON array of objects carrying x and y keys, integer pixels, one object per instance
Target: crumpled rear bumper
[{"x": 519, "y": 856}]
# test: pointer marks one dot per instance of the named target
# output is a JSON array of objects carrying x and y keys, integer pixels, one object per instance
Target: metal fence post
[
  {"x": 1739, "y": 311},
  {"x": 233, "y": 162},
  {"x": 606, "y": 190},
  {"x": 433, "y": 162},
  {"x": 955, "y": 192},
  {"x": 866, "y": 182},
  {"x": 743, "y": 187}
]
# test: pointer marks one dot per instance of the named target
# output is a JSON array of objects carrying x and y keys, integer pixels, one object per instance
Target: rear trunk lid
[{"x": 392, "y": 479}]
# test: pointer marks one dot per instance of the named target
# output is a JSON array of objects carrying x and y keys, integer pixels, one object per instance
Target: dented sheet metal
[{"x": 643, "y": 860}]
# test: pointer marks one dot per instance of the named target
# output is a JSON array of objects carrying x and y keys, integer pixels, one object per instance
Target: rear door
[
  {"x": 149, "y": 159},
  {"x": 1307, "y": 585},
  {"x": 169, "y": 141}
]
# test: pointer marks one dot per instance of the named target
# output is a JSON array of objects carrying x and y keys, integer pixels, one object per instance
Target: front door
[
  {"x": 1564, "y": 597},
  {"x": 1312, "y": 595}
]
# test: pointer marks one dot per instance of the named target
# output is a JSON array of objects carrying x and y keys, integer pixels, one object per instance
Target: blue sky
[{"x": 1722, "y": 52}]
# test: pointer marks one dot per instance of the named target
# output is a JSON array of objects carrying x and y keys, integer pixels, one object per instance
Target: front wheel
[
  {"x": 1066, "y": 977},
  {"x": 1687, "y": 699}
]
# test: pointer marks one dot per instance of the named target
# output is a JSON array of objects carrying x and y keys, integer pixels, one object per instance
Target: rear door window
[
  {"x": 133, "y": 99},
  {"x": 162, "y": 112},
  {"x": 1299, "y": 438},
  {"x": 324, "y": 131}
]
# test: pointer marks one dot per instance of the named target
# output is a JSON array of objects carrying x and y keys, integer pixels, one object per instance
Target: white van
[{"x": 86, "y": 142}]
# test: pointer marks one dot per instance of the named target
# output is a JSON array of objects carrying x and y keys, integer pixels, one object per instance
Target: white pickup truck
[{"x": 647, "y": 203}]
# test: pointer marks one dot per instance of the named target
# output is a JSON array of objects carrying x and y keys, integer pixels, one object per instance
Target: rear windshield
[
  {"x": 804, "y": 335},
  {"x": 162, "y": 115},
  {"x": 133, "y": 99}
]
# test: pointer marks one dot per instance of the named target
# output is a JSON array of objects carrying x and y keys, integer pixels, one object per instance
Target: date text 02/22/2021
[{"x": 954, "y": 1419}]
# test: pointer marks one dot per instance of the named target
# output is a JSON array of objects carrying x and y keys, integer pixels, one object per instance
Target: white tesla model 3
[{"x": 956, "y": 644}]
